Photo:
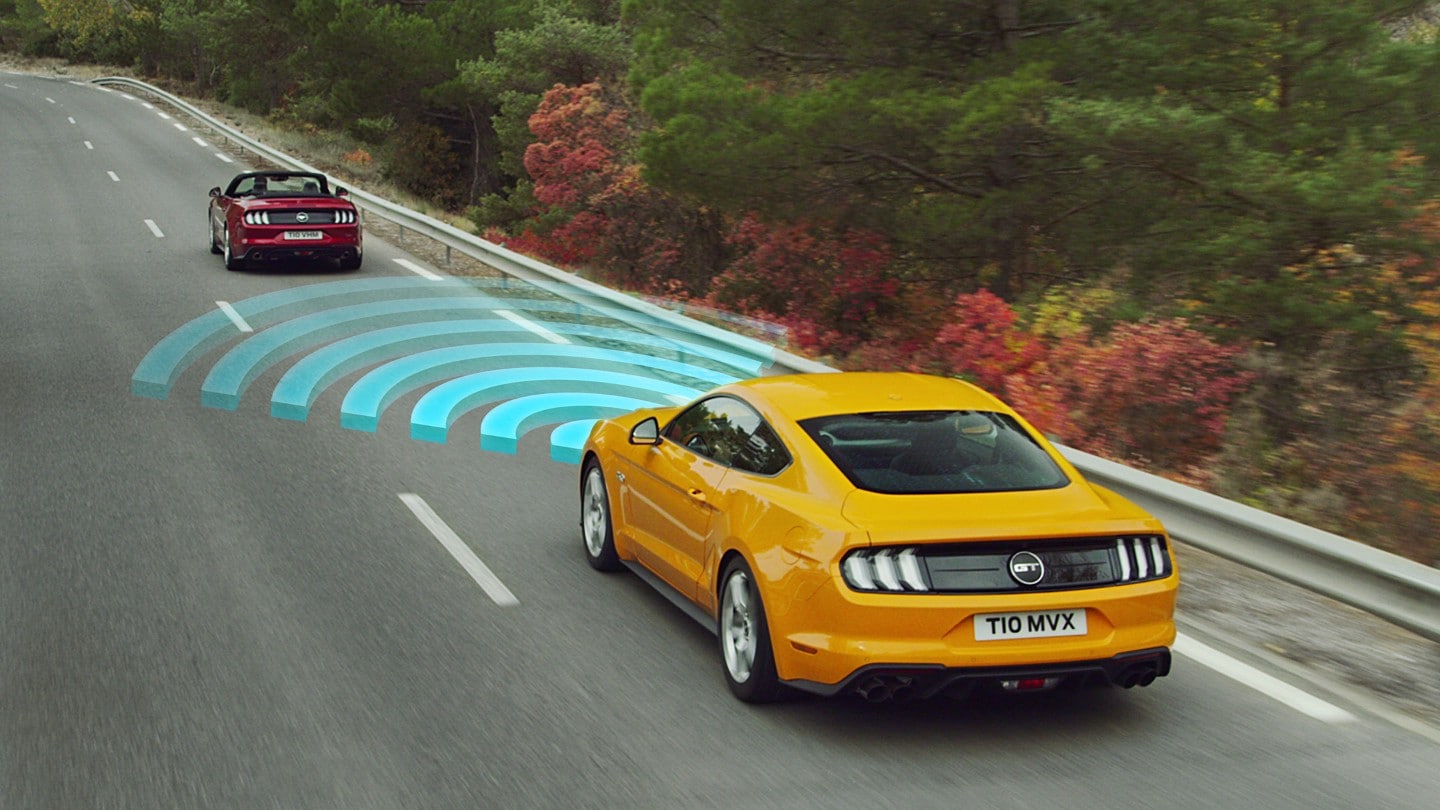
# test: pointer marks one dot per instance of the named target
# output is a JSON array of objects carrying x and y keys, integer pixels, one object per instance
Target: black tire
[
  {"x": 231, "y": 261},
  {"x": 214, "y": 246},
  {"x": 351, "y": 262},
  {"x": 746, "y": 655},
  {"x": 597, "y": 531}
]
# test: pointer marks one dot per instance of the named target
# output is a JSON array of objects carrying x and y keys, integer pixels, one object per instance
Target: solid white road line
[
  {"x": 155, "y": 229},
  {"x": 1297, "y": 699},
  {"x": 530, "y": 325},
  {"x": 477, "y": 570},
  {"x": 418, "y": 270},
  {"x": 234, "y": 316}
]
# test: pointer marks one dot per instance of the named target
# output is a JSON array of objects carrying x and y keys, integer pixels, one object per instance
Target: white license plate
[
  {"x": 304, "y": 235},
  {"x": 1030, "y": 624}
]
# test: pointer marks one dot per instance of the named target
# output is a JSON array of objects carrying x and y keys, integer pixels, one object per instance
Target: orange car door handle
[{"x": 697, "y": 495}]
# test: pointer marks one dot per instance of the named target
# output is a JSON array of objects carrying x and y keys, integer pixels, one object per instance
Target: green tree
[
  {"x": 922, "y": 120},
  {"x": 1226, "y": 138},
  {"x": 1002, "y": 143},
  {"x": 23, "y": 29},
  {"x": 364, "y": 59},
  {"x": 246, "y": 50},
  {"x": 562, "y": 42}
]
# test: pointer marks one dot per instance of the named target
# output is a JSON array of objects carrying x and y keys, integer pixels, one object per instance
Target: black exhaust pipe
[{"x": 1138, "y": 675}]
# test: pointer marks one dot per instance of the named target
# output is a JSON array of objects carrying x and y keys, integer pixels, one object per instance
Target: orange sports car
[{"x": 882, "y": 534}]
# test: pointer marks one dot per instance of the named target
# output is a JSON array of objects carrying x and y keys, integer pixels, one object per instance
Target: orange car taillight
[
  {"x": 889, "y": 569},
  {"x": 1141, "y": 558}
]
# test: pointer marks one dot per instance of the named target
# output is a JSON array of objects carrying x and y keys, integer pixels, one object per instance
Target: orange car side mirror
[{"x": 647, "y": 432}]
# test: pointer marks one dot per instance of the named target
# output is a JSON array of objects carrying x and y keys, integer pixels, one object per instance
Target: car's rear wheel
[
  {"x": 351, "y": 262},
  {"x": 596, "y": 528},
  {"x": 749, "y": 660},
  {"x": 232, "y": 262},
  {"x": 210, "y": 226}
]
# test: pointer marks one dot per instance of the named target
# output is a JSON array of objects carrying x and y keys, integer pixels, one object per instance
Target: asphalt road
[{"x": 211, "y": 608}]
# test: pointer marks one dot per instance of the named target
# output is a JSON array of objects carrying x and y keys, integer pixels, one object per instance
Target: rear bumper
[
  {"x": 1137, "y": 668},
  {"x": 290, "y": 253},
  {"x": 257, "y": 245},
  {"x": 826, "y": 635}
]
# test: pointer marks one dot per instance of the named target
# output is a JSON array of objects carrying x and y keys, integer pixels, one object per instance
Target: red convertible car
[{"x": 275, "y": 216}]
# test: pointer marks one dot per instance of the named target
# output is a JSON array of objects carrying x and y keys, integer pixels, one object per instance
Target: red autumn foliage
[
  {"x": 982, "y": 343},
  {"x": 1157, "y": 392},
  {"x": 564, "y": 247},
  {"x": 830, "y": 288},
  {"x": 577, "y": 135}
]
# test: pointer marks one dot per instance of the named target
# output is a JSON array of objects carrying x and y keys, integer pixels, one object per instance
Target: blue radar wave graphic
[{"x": 462, "y": 345}]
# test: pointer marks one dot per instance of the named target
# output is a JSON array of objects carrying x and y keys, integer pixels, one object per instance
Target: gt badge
[{"x": 1026, "y": 568}]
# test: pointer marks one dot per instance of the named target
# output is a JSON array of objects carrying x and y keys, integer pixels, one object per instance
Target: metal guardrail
[
  {"x": 1397, "y": 589},
  {"x": 1392, "y": 587}
]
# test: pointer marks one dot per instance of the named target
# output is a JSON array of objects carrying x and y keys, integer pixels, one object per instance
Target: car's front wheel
[
  {"x": 232, "y": 262},
  {"x": 745, "y": 638},
  {"x": 596, "y": 528}
]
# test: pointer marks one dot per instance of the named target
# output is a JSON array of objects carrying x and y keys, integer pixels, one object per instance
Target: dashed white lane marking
[
  {"x": 477, "y": 570},
  {"x": 51, "y": 100},
  {"x": 224, "y": 157},
  {"x": 201, "y": 141},
  {"x": 418, "y": 270},
  {"x": 89, "y": 145},
  {"x": 234, "y": 316},
  {"x": 127, "y": 95},
  {"x": 72, "y": 119},
  {"x": 529, "y": 325},
  {"x": 77, "y": 83},
  {"x": 155, "y": 229},
  {"x": 114, "y": 176},
  {"x": 147, "y": 105},
  {"x": 181, "y": 127},
  {"x": 164, "y": 116},
  {"x": 1268, "y": 685}
]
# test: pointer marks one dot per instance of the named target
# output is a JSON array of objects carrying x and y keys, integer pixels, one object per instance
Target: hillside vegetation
[{"x": 1197, "y": 237}]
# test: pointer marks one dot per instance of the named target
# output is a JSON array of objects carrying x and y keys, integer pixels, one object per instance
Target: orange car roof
[{"x": 803, "y": 396}]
